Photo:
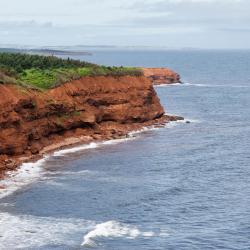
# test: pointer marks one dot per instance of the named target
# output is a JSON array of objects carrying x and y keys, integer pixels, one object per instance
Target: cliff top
[{"x": 45, "y": 72}]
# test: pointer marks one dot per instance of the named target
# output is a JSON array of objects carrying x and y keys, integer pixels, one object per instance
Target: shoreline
[
  {"x": 90, "y": 109},
  {"x": 73, "y": 141},
  {"x": 34, "y": 163}
]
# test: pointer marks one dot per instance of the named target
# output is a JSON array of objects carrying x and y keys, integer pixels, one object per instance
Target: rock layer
[
  {"x": 93, "y": 108},
  {"x": 161, "y": 75}
]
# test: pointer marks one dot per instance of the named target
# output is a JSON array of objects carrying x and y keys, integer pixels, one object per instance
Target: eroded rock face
[
  {"x": 161, "y": 75},
  {"x": 100, "y": 107}
]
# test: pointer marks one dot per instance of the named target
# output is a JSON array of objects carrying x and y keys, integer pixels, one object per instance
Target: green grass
[
  {"x": 48, "y": 72},
  {"x": 51, "y": 78}
]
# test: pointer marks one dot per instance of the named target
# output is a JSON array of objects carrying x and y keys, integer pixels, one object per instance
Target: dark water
[{"x": 186, "y": 186}]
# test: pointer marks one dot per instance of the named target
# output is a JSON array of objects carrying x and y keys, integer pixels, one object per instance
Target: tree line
[{"x": 18, "y": 62}]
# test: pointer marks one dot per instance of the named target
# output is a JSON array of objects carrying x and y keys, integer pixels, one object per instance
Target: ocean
[{"x": 184, "y": 186}]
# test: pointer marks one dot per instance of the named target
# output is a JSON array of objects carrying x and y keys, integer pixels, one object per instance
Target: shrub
[{"x": 45, "y": 72}]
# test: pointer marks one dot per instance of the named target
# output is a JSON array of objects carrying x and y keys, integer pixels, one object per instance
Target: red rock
[
  {"x": 98, "y": 107},
  {"x": 161, "y": 75}
]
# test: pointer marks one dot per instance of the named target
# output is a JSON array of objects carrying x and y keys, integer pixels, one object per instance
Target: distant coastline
[{"x": 46, "y": 52}]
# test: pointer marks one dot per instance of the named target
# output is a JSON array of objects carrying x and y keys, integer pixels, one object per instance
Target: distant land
[
  {"x": 62, "y": 50},
  {"x": 45, "y": 51}
]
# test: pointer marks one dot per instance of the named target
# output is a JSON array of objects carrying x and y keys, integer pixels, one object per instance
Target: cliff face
[
  {"x": 32, "y": 122},
  {"x": 161, "y": 75}
]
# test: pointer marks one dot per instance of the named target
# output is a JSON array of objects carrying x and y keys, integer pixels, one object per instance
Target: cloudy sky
[{"x": 168, "y": 23}]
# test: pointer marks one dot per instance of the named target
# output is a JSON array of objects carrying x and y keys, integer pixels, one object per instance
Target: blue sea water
[{"x": 185, "y": 186}]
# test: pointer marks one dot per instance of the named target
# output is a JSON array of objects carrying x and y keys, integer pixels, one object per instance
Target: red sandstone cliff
[
  {"x": 161, "y": 75},
  {"x": 92, "y": 108}
]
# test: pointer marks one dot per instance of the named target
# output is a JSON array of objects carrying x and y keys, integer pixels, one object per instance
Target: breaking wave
[
  {"x": 33, "y": 171},
  {"x": 75, "y": 149},
  {"x": 186, "y": 84},
  {"x": 167, "y": 85},
  {"x": 215, "y": 85},
  {"x": 26, "y": 174},
  {"x": 113, "y": 229},
  {"x": 27, "y": 231}
]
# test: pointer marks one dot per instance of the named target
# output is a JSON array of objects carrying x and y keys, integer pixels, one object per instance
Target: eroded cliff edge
[
  {"x": 92, "y": 108},
  {"x": 161, "y": 75}
]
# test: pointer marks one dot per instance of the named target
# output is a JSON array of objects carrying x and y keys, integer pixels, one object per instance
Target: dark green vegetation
[{"x": 45, "y": 72}]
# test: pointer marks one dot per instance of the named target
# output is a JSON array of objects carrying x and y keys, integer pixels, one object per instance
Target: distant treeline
[
  {"x": 20, "y": 62},
  {"x": 50, "y": 71},
  {"x": 46, "y": 52}
]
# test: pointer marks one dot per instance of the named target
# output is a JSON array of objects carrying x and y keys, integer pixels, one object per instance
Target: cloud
[
  {"x": 163, "y": 5},
  {"x": 136, "y": 22},
  {"x": 203, "y": 1},
  {"x": 201, "y": 13},
  {"x": 177, "y": 2}
]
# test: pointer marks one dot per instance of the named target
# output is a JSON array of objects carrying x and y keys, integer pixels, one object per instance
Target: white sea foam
[
  {"x": 31, "y": 172},
  {"x": 92, "y": 145},
  {"x": 52, "y": 174},
  {"x": 167, "y": 85},
  {"x": 196, "y": 84},
  {"x": 216, "y": 85},
  {"x": 75, "y": 149},
  {"x": 134, "y": 133},
  {"x": 113, "y": 229},
  {"x": 26, "y": 231},
  {"x": 26, "y": 174},
  {"x": 186, "y": 84},
  {"x": 116, "y": 141}
]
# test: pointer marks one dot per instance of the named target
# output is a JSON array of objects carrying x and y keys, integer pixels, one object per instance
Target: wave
[
  {"x": 65, "y": 173},
  {"x": 167, "y": 125},
  {"x": 197, "y": 85},
  {"x": 28, "y": 231},
  {"x": 134, "y": 133},
  {"x": 113, "y": 229},
  {"x": 33, "y": 171},
  {"x": 116, "y": 141},
  {"x": 91, "y": 145},
  {"x": 75, "y": 149},
  {"x": 26, "y": 174},
  {"x": 167, "y": 85},
  {"x": 186, "y": 84}
]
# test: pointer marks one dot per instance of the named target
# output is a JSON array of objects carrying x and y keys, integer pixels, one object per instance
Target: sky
[{"x": 212, "y": 24}]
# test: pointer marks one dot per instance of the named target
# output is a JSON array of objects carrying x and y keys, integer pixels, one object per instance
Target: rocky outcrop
[
  {"x": 161, "y": 75},
  {"x": 92, "y": 108}
]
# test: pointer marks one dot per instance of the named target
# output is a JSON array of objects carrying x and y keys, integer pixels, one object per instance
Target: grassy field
[{"x": 44, "y": 72}]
